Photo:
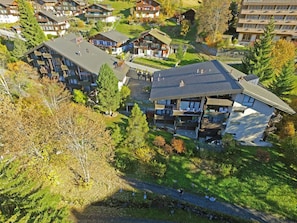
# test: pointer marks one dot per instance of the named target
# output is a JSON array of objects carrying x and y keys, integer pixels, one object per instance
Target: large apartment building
[{"x": 256, "y": 14}]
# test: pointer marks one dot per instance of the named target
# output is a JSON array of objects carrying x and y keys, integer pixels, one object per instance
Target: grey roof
[
  {"x": 258, "y": 92},
  {"x": 6, "y": 2},
  {"x": 210, "y": 78},
  {"x": 200, "y": 79},
  {"x": 85, "y": 55},
  {"x": 115, "y": 36},
  {"x": 53, "y": 17}
]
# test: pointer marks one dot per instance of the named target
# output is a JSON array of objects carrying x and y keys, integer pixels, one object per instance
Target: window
[{"x": 248, "y": 101}]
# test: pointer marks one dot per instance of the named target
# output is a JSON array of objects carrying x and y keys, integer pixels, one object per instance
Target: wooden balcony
[{"x": 185, "y": 113}]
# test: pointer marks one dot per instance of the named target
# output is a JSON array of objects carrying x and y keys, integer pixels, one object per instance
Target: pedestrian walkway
[{"x": 208, "y": 204}]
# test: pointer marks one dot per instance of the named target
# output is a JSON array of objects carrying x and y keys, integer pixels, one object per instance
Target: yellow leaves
[{"x": 283, "y": 51}]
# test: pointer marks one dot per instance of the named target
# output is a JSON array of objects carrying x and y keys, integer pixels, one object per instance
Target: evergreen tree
[
  {"x": 23, "y": 200},
  {"x": 137, "y": 128},
  {"x": 19, "y": 49},
  {"x": 108, "y": 96},
  {"x": 31, "y": 30},
  {"x": 258, "y": 59},
  {"x": 283, "y": 84}
]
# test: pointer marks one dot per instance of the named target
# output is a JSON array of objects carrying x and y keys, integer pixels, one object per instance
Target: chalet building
[
  {"x": 100, "y": 12},
  {"x": 8, "y": 11},
  {"x": 45, "y": 5},
  {"x": 70, "y": 7},
  {"x": 112, "y": 41},
  {"x": 51, "y": 23},
  {"x": 187, "y": 15},
  {"x": 211, "y": 98},
  {"x": 255, "y": 15},
  {"x": 147, "y": 9},
  {"x": 153, "y": 43},
  {"x": 74, "y": 62}
]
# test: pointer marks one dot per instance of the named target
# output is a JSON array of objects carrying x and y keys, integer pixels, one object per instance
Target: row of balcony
[
  {"x": 270, "y": 12},
  {"x": 266, "y": 21},
  {"x": 261, "y": 30}
]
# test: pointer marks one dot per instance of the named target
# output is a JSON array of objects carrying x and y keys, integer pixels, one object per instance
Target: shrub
[
  {"x": 178, "y": 145},
  {"x": 157, "y": 169},
  {"x": 226, "y": 169},
  {"x": 262, "y": 155},
  {"x": 168, "y": 148},
  {"x": 159, "y": 141},
  {"x": 145, "y": 154}
]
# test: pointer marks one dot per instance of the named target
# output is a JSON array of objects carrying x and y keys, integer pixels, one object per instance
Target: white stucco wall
[
  {"x": 248, "y": 124},
  {"x": 8, "y": 19}
]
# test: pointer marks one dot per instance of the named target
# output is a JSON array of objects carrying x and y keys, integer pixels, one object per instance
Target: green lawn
[{"x": 269, "y": 187}]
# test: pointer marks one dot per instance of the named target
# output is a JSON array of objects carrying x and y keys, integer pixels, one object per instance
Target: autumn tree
[
  {"x": 169, "y": 6},
  {"x": 137, "y": 128},
  {"x": 108, "y": 96},
  {"x": 178, "y": 145},
  {"x": 283, "y": 52},
  {"x": 159, "y": 141},
  {"x": 81, "y": 131},
  {"x": 31, "y": 30},
  {"x": 258, "y": 59},
  {"x": 184, "y": 27},
  {"x": 284, "y": 83},
  {"x": 23, "y": 199},
  {"x": 213, "y": 17}
]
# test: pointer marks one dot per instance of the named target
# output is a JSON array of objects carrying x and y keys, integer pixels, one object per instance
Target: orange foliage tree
[{"x": 178, "y": 145}]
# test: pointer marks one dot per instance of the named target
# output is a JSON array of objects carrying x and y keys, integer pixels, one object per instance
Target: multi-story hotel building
[{"x": 256, "y": 14}]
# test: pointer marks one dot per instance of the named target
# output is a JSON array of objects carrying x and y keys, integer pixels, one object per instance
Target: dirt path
[{"x": 217, "y": 206}]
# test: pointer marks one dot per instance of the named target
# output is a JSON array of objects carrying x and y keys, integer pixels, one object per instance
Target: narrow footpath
[{"x": 216, "y": 206}]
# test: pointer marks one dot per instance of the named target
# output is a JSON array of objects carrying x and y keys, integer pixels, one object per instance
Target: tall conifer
[
  {"x": 258, "y": 59},
  {"x": 283, "y": 84},
  {"x": 108, "y": 97},
  {"x": 31, "y": 30},
  {"x": 137, "y": 128}
]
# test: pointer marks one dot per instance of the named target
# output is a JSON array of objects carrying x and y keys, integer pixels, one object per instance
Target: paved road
[{"x": 220, "y": 207}]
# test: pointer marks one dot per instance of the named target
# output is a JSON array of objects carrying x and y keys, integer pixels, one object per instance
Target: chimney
[{"x": 181, "y": 83}]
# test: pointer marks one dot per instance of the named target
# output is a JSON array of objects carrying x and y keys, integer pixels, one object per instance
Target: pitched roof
[
  {"x": 6, "y": 2},
  {"x": 107, "y": 7},
  {"x": 209, "y": 78},
  {"x": 115, "y": 36},
  {"x": 85, "y": 54},
  {"x": 258, "y": 92},
  {"x": 163, "y": 37},
  {"x": 53, "y": 17},
  {"x": 200, "y": 79}
]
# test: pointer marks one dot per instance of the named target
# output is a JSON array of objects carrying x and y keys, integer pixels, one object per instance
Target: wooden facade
[
  {"x": 52, "y": 24},
  {"x": 147, "y": 9},
  {"x": 8, "y": 11},
  {"x": 152, "y": 43},
  {"x": 99, "y": 12}
]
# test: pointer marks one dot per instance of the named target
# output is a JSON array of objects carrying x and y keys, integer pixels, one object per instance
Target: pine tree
[
  {"x": 24, "y": 200},
  {"x": 258, "y": 59},
  {"x": 19, "y": 49},
  {"x": 31, "y": 30},
  {"x": 137, "y": 128},
  {"x": 283, "y": 84},
  {"x": 109, "y": 97}
]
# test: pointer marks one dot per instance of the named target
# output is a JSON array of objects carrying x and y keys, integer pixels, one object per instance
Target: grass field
[{"x": 265, "y": 186}]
